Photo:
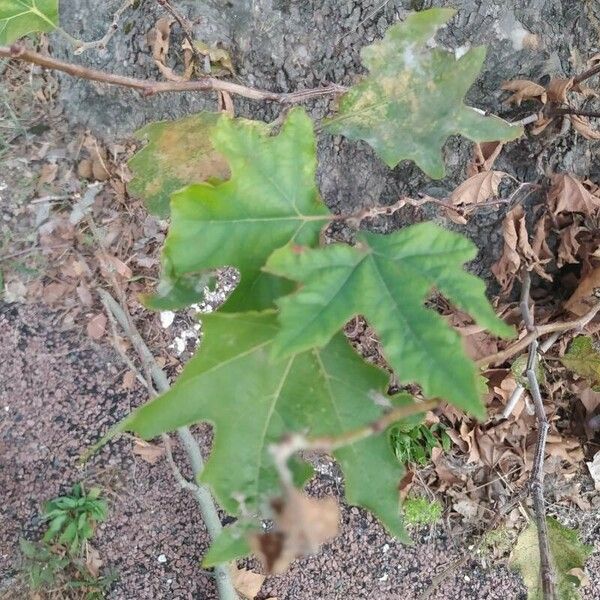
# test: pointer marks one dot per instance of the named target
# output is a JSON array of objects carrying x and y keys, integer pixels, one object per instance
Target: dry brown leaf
[
  {"x": 128, "y": 380},
  {"x": 478, "y": 188},
  {"x": 594, "y": 469},
  {"x": 246, "y": 582},
  {"x": 558, "y": 89},
  {"x": 188, "y": 60},
  {"x": 93, "y": 562},
  {"x": 517, "y": 249},
  {"x": 568, "y": 194},
  {"x": 151, "y": 453},
  {"x": 524, "y": 90},
  {"x": 302, "y": 525},
  {"x": 586, "y": 294},
  {"x": 568, "y": 246},
  {"x": 167, "y": 72},
  {"x": 586, "y": 91},
  {"x": 159, "y": 38},
  {"x": 467, "y": 508},
  {"x": 584, "y": 127},
  {"x": 117, "y": 266},
  {"x": 226, "y": 103},
  {"x": 97, "y": 326},
  {"x": 48, "y": 173},
  {"x": 484, "y": 157},
  {"x": 84, "y": 294},
  {"x": 590, "y": 400},
  {"x": 541, "y": 124}
]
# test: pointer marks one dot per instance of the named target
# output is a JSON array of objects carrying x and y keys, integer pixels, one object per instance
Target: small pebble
[{"x": 162, "y": 558}]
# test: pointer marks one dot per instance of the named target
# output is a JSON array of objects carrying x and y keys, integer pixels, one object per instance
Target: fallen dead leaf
[
  {"x": 557, "y": 90},
  {"x": 568, "y": 194},
  {"x": 517, "y": 249},
  {"x": 151, "y": 453},
  {"x": 568, "y": 246},
  {"x": 159, "y": 38},
  {"x": 246, "y": 582},
  {"x": 84, "y": 294},
  {"x": 97, "y": 326},
  {"x": 467, "y": 508},
  {"x": 584, "y": 127},
  {"x": 93, "y": 563},
  {"x": 594, "y": 469},
  {"x": 586, "y": 294},
  {"x": 302, "y": 525},
  {"x": 128, "y": 380},
  {"x": 478, "y": 188},
  {"x": 484, "y": 157},
  {"x": 524, "y": 90}
]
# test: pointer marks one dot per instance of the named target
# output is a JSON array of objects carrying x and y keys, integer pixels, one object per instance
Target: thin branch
[
  {"x": 573, "y": 111},
  {"x": 536, "y": 480},
  {"x": 150, "y": 87},
  {"x": 586, "y": 74},
  {"x": 82, "y": 46},
  {"x": 200, "y": 492},
  {"x": 538, "y": 331}
]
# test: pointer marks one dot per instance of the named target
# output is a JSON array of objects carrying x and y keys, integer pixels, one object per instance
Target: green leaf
[
  {"x": 270, "y": 199},
  {"x": 177, "y": 154},
  {"x": 55, "y": 526},
  {"x": 387, "y": 279},
  {"x": 583, "y": 358},
  {"x": 253, "y": 401},
  {"x": 567, "y": 553},
  {"x": 230, "y": 544},
  {"x": 412, "y": 99},
  {"x": 20, "y": 17}
]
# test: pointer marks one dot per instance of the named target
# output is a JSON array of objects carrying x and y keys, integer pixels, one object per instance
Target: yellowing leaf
[
  {"x": 20, "y": 17},
  {"x": 217, "y": 56},
  {"x": 478, "y": 188},
  {"x": 412, "y": 100},
  {"x": 270, "y": 199},
  {"x": 567, "y": 553},
  {"x": 583, "y": 358},
  {"x": 177, "y": 153},
  {"x": 387, "y": 278}
]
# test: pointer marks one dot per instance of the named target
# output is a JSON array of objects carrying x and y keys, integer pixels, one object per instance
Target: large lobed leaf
[
  {"x": 20, "y": 17},
  {"x": 177, "y": 154},
  {"x": 253, "y": 401},
  {"x": 567, "y": 553},
  {"x": 271, "y": 199},
  {"x": 387, "y": 279},
  {"x": 412, "y": 99}
]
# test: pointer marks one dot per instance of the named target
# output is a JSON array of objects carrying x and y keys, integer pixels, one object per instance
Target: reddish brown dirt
[{"x": 59, "y": 391}]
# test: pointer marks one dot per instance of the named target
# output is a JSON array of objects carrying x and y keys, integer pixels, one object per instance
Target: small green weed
[
  {"x": 57, "y": 563},
  {"x": 414, "y": 444},
  {"x": 41, "y": 567},
  {"x": 73, "y": 518},
  {"x": 421, "y": 511}
]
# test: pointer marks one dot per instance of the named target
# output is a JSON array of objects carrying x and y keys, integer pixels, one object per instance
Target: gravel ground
[{"x": 59, "y": 389}]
